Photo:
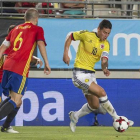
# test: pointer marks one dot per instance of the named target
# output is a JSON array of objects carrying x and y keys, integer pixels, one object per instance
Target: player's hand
[
  {"x": 39, "y": 62},
  {"x": 66, "y": 59},
  {"x": 47, "y": 70},
  {"x": 106, "y": 72}
]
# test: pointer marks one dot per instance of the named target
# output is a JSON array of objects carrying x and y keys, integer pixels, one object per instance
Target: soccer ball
[{"x": 121, "y": 124}]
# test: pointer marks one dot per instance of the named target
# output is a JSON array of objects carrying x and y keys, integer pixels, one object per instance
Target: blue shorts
[
  {"x": 5, "y": 92},
  {"x": 15, "y": 82},
  {"x": 1, "y": 90}
]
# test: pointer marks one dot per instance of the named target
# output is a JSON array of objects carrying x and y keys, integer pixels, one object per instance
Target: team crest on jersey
[
  {"x": 102, "y": 46},
  {"x": 86, "y": 80}
]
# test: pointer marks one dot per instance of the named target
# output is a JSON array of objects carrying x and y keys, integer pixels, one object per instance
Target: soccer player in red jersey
[
  {"x": 6, "y": 126},
  {"x": 22, "y": 41}
]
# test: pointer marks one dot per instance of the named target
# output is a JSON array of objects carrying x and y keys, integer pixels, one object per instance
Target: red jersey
[
  {"x": 23, "y": 39},
  {"x": 1, "y": 64}
]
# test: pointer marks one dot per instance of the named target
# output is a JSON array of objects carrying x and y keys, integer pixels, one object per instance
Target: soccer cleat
[
  {"x": 8, "y": 130},
  {"x": 96, "y": 123},
  {"x": 130, "y": 123},
  {"x": 73, "y": 121}
]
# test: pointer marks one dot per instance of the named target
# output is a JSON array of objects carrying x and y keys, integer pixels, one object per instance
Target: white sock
[
  {"x": 100, "y": 110},
  {"x": 106, "y": 104},
  {"x": 86, "y": 109}
]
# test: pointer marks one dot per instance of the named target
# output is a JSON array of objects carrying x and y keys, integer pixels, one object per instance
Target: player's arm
[
  {"x": 73, "y": 36},
  {"x": 42, "y": 49},
  {"x": 4, "y": 46},
  {"x": 6, "y": 42},
  {"x": 104, "y": 59},
  {"x": 68, "y": 41},
  {"x": 104, "y": 63},
  {"x": 35, "y": 60}
]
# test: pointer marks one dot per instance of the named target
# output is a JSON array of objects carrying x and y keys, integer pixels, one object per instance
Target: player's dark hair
[
  {"x": 105, "y": 24},
  {"x": 31, "y": 14},
  {"x": 10, "y": 28}
]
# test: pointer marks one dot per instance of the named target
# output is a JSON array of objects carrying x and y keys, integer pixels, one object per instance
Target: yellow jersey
[{"x": 90, "y": 49}]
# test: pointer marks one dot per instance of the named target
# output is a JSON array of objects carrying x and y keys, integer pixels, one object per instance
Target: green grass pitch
[{"x": 64, "y": 133}]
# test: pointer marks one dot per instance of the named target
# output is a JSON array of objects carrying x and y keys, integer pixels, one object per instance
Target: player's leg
[
  {"x": 100, "y": 110},
  {"x": 98, "y": 91},
  {"x": 6, "y": 93},
  {"x": 9, "y": 106},
  {"x": 6, "y": 126},
  {"x": 5, "y": 101},
  {"x": 82, "y": 80},
  {"x": 17, "y": 84},
  {"x": 75, "y": 115},
  {"x": 96, "y": 123},
  {"x": 91, "y": 106},
  {"x": 105, "y": 104},
  {"x": 10, "y": 118},
  {"x": 93, "y": 102}
]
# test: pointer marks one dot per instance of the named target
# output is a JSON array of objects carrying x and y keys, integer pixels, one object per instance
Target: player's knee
[
  {"x": 94, "y": 105},
  {"x": 102, "y": 93},
  {"x": 19, "y": 104}
]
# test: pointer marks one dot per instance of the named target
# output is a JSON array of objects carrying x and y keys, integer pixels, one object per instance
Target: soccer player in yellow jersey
[{"x": 92, "y": 48}]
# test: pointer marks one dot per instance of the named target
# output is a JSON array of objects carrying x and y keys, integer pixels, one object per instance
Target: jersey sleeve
[
  {"x": 79, "y": 35},
  {"x": 8, "y": 36},
  {"x": 105, "y": 52},
  {"x": 6, "y": 42},
  {"x": 40, "y": 35}
]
